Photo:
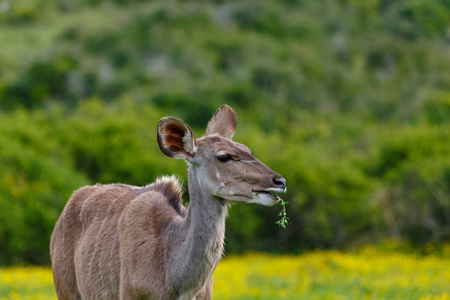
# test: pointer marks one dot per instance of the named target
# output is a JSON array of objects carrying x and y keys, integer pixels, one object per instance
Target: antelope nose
[{"x": 280, "y": 182}]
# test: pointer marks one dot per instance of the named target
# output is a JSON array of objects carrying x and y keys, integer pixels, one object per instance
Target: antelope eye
[{"x": 223, "y": 158}]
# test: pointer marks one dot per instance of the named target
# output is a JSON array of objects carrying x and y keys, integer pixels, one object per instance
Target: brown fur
[
  {"x": 118, "y": 241},
  {"x": 102, "y": 209}
]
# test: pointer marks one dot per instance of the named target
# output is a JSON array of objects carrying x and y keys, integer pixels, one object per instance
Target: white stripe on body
[{"x": 100, "y": 232}]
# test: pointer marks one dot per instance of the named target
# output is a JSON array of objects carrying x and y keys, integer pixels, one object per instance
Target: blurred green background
[{"x": 349, "y": 100}]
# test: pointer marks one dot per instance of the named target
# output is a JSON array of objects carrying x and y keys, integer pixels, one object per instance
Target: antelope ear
[
  {"x": 223, "y": 122},
  {"x": 175, "y": 138}
]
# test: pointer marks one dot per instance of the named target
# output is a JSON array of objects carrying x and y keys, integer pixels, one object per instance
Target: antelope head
[{"x": 225, "y": 169}]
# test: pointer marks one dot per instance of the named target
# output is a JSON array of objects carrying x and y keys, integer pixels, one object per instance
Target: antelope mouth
[{"x": 267, "y": 197}]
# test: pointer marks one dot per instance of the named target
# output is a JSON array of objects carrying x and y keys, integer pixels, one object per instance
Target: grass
[
  {"x": 365, "y": 274},
  {"x": 27, "y": 283}
]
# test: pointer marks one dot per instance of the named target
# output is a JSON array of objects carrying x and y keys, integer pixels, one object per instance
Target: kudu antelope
[{"x": 118, "y": 241}]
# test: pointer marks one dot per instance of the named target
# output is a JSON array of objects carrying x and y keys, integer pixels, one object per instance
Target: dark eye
[{"x": 224, "y": 158}]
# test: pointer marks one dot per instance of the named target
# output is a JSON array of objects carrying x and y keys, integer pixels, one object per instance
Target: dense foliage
[{"x": 349, "y": 100}]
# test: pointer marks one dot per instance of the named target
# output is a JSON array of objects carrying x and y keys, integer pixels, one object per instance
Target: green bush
[
  {"x": 414, "y": 166},
  {"x": 346, "y": 99},
  {"x": 36, "y": 179},
  {"x": 21, "y": 12}
]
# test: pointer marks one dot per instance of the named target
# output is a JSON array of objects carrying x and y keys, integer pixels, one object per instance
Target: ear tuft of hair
[{"x": 172, "y": 189}]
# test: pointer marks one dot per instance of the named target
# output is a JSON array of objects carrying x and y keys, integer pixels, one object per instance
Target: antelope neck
[
  {"x": 206, "y": 214},
  {"x": 204, "y": 231}
]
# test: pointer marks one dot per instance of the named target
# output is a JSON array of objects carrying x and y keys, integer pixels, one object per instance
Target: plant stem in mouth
[{"x": 283, "y": 221}]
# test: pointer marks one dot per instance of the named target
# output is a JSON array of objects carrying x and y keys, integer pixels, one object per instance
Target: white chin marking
[
  {"x": 264, "y": 199},
  {"x": 276, "y": 190}
]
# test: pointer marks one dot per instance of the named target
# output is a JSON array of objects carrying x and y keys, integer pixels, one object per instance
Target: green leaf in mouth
[{"x": 283, "y": 221}]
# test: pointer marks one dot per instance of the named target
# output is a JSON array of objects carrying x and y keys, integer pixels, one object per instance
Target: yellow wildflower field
[
  {"x": 333, "y": 275},
  {"x": 364, "y": 274}
]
